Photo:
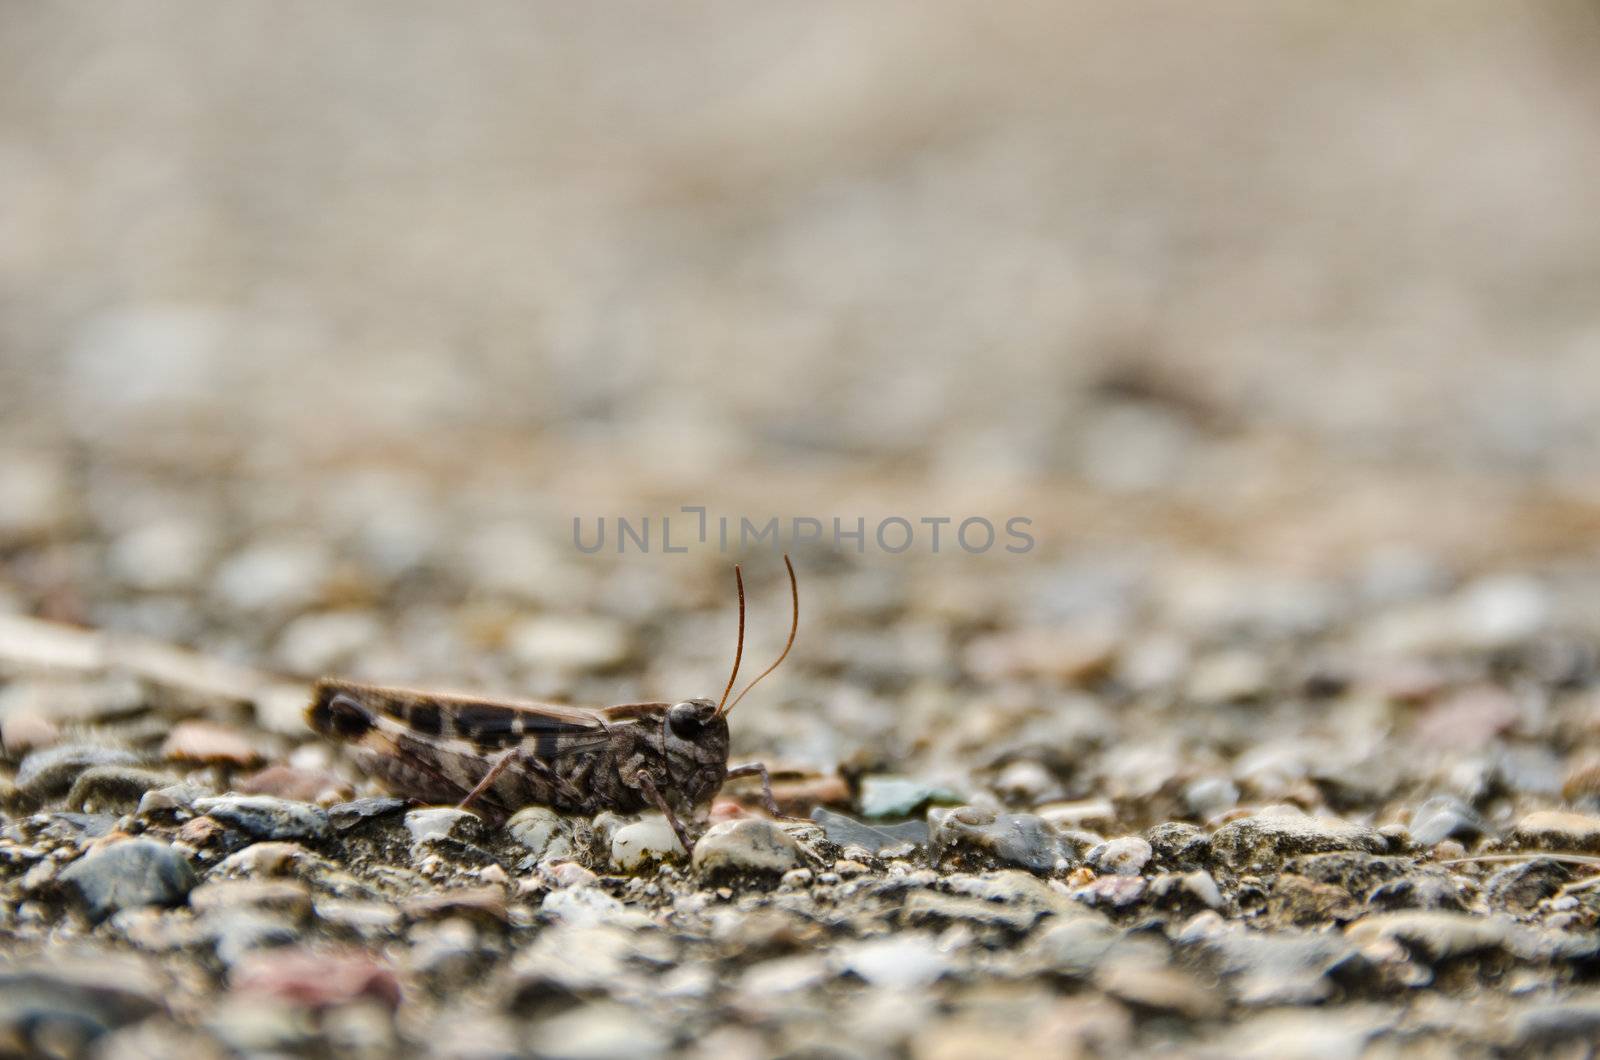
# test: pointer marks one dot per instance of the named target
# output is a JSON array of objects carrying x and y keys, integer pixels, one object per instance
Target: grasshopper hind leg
[{"x": 499, "y": 767}]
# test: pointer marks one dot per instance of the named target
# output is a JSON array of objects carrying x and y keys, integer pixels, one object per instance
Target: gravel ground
[
  {"x": 318, "y": 331},
  {"x": 1195, "y": 811}
]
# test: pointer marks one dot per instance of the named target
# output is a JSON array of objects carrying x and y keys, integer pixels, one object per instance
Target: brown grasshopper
[{"x": 501, "y": 755}]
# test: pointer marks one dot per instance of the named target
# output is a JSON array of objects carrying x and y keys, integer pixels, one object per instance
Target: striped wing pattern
[{"x": 545, "y": 730}]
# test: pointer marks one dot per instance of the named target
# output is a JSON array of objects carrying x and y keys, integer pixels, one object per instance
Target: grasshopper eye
[{"x": 686, "y": 719}]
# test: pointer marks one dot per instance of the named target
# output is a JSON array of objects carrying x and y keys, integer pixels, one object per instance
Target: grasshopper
[{"x": 500, "y": 755}]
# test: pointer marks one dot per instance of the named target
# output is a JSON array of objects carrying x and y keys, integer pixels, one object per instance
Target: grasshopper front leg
[
  {"x": 648, "y": 786},
  {"x": 759, "y": 769}
]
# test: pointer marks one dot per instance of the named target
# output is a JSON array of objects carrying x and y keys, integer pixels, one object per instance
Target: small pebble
[
  {"x": 1126, "y": 856},
  {"x": 1444, "y": 817},
  {"x": 1086, "y": 813},
  {"x": 1268, "y": 838},
  {"x": 885, "y": 796},
  {"x": 568, "y": 874},
  {"x": 750, "y": 845},
  {"x": 21, "y": 733},
  {"x": 167, "y": 799},
  {"x": 289, "y": 897},
  {"x": 299, "y": 785},
  {"x": 1433, "y": 935},
  {"x": 589, "y": 906},
  {"x": 482, "y": 904},
  {"x": 361, "y": 917},
  {"x": 207, "y": 743},
  {"x": 264, "y": 817},
  {"x": 1559, "y": 830},
  {"x": 315, "y": 980},
  {"x": 127, "y": 875},
  {"x": 1210, "y": 796},
  {"x": 114, "y": 789},
  {"x": 265, "y": 859},
  {"x": 1019, "y": 839},
  {"x": 1229, "y": 677},
  {"x": 541, "y": 831},
  {"x": 601, "y": 1030},
  {"x": 443, "y": 822},
  {"x": 272, "y": 576},
  {"x": 344, "y": 816},
  {"x": 885, "y": 839},
  {"x": 899, "y": 962},
  {"x": 51, "y": 772},
  {"x": 643, "y": 842},
  {"x": 1116, "y": 892}
]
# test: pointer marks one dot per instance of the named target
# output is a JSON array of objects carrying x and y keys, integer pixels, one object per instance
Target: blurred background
[{"x": 319, "y": 325}]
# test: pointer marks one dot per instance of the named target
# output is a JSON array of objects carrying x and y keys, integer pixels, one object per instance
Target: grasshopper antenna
[
  {"x": 738, "y": 652},
  {"x": 794, "y": 627}
]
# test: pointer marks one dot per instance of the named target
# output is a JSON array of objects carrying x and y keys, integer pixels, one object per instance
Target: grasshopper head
[{"x": 695, "y": 738}]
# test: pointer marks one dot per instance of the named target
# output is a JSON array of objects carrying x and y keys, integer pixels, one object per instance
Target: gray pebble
[
  {"x": 60, "y": 1008},
  {"x": 126, "y": 875},
  {"x": 1022, "y": 839},
  {"x": 288, "y": 897},
  {"x": 1278, "y": 969},
  {"x": 932, "y": 909},
  {"x": 74, "y": 826},
  {"x": 1179, "y": 844},
  {"x": 1207, "y": 797},
  {"x": 246, "y": 1026},
  {"x": 644, "y": 842},
  {"x": 601, "y": 1030},
  {"x": 117, "y": 789},
  {"x": 902, "y": 961},
  {"x": 1559, "y": 830},
  {"x": 1423, "y": 889},
  {"x": 573, "y": 959},
  {"x": 274, "y": 575},
  {"x": 51, "y": 772},
  {"x": 1557, "y": 1023},
  {"x": 1203, "y": 886},
  {"x": 348, "y": 815},
  {"x": 265, "y": 817},
  {"x": 1147, "y": 981},
  {"x": 1126, "y": 856},
  {"x": 236, "y": 932},
  {"x": 542, "y": 832},
  {"x": 1434, "y": 935},
  {"x": 1011, "y": 887},
  {"x": 846, "y": 831},
  {"x": 1444, "y": 817},
  {"x": 365, "y": 918},
  {"x": 444, "y": 822},
  {"x": 586, "y": 906},
  {"x": 1268, "y": 838},
  {"x": 570, "y": 643},
  {"x": 173, "y": 797},
  {"x": 1521, "y": 887},
  {"x": 1072, "y": 948},
  {"x": 747, "y": 845},
  {"x": 883, "y": 796}
]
